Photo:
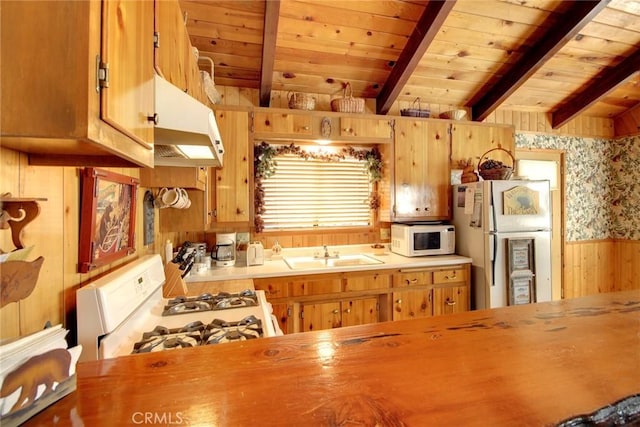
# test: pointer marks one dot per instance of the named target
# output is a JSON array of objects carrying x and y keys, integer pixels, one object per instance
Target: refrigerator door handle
[{"x": 493, "y": 241}]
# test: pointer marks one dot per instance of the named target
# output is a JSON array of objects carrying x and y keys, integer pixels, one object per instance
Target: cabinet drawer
[
  {"x": 272, "y": 289},
  {"x": 449, "y": 300},
  {"x": 364, "y": 283},
  {"x": 315, "y": 287},
  {"x": 449, "y": 276},
  {"x": 414, "y": 278}
]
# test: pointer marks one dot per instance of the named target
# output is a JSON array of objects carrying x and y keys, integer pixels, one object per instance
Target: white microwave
[{"x": 423, "y": 239}]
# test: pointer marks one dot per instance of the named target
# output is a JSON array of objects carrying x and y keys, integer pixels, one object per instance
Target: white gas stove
[{"x": 124, "y": 313}]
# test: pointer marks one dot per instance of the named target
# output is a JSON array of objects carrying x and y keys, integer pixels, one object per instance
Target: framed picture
[{"x": 107, "y": 218}]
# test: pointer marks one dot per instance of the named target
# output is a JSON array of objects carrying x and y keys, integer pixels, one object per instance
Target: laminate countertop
[
  {"x": 278, "y": 267},
  {"x": 530, "y": 365}
]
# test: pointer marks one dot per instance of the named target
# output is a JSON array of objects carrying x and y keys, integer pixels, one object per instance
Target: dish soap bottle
[{"x": 276, "y": 250}]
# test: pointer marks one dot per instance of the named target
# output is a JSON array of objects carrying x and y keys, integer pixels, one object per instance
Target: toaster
[{"x": 255, "y": 254}]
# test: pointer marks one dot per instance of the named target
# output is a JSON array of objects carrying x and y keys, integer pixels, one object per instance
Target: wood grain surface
[{"x": 532, "y": 365}]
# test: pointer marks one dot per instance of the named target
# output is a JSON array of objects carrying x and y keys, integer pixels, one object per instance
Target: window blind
[{"x": 315, "y": 193}]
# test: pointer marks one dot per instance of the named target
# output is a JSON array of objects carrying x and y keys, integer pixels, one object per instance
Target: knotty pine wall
[
  {"x": 55, "y": 232},
  {"x": 54, "y": 235}
]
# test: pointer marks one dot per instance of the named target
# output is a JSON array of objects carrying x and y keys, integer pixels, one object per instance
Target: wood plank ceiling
[{"x": 560, "y": 57}]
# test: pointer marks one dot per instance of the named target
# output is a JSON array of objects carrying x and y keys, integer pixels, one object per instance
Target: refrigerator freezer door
[
  {"x": 499, "y": 282},
  {"x": 520, "y": 205}
]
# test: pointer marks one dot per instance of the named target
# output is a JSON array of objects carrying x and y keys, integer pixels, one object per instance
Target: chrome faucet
[{"x": 326, "y": 255}]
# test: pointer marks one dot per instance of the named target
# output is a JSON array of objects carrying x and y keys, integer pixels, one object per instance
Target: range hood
[{"x": 186, "y": 133}]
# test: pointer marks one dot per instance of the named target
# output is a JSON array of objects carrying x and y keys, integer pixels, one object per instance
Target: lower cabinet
[
  {"x": 412, "y": 304},
  {"x": 325, "y": 301},
  {"x": 329, "y": 315}
]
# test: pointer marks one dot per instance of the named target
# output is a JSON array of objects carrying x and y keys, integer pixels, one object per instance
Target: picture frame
[{"x": 107, "y": 218}]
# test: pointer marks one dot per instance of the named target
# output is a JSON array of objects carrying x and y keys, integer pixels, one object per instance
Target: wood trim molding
[{"x": 271, "y": 17}]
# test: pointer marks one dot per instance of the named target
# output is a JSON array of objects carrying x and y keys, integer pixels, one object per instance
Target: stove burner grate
[
  {"x": 209, "y": 302},
  {"x": 197, "y": 333}
]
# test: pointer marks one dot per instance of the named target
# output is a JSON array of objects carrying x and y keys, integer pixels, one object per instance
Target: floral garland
[{"x": 264, "y": 166}]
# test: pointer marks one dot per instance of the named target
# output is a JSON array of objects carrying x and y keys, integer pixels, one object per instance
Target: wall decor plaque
[
  {"x": 107, "y": 218},
  {"x": 521, "y": 200}
]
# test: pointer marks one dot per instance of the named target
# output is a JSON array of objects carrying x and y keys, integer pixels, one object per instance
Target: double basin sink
[{"x": 309, "y": 262}]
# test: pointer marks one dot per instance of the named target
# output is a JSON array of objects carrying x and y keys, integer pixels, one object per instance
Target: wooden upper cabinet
[
  {"x": 171, "y": 51},
  {"x": 366, "y": 128},
  {"x": 175, "y": 59},
  {"x": 281, "y": 124},
  {"x": 231, "y": 185},
  {"x": 83, "y": 91},
  {"x": 167, "y": 176},
  {"x": 421, "y": 182},
  {"x": 472, "y": 140}
]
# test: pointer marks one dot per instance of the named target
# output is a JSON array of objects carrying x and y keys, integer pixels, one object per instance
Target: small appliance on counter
[
  {"x": 255, "y": 254},
  {"x": 224, "y": 254},
  {"x": 423, "y": 239}
]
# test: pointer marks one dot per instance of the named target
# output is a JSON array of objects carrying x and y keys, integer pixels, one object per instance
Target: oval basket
[
  {"x": 415, "y": 112},
  {"x": 348, "y": 104},
  {"x": 301, "y": 101},
  {"x": 502, "y": 173}
]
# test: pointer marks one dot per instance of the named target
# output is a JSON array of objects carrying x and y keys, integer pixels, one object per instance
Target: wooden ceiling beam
[
  {"x": 271, "y": 17},
  {"x": 598, "y": 87},
  {"x": 570, "y": 24},
  {"x": 425, "y": 31}
]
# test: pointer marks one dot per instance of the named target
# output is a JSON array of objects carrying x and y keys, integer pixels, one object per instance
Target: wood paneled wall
[
  {"x": 592, "y": 267},
  {"x": 54, "y": 235}
]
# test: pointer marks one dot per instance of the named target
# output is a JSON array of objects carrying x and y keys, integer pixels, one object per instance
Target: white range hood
[{"x": 186, "y": 133}]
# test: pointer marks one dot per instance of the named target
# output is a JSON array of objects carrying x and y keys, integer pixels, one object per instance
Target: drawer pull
[
  {"x": 454, "y": 276},
  {"x": 336, "y": 311},
  {"x": 449, "y": 302},
  {"x": 411, "y": 282},
  {"x": 398, "y": 301},
  {"x": 348, "y": 310}
]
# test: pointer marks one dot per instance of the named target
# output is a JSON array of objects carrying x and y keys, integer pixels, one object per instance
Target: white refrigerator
[{"x": 505, "y": 228}]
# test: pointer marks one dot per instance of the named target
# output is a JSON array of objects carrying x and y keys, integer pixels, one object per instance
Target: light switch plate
[{"x": 242, "y": 237}]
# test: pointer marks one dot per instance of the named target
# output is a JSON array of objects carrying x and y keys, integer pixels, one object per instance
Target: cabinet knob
[
  {"x": 399, "y": 301},
  {"x": 336, "y": 311},
  {"x": 453, "y": 276},
  {"x": 153, "y": 119},
  {"x": 239, "y": 211},
  {"x": 348, "y": 310},
  {"x": 305, "y": 127},
  {"x": 449, "y": 302}
]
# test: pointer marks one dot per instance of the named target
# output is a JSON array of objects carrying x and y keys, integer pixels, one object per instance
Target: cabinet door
[
  {"x": 232, "y": 180},
  {"x": 450, "y": 299},
  {"x": 422, "y": 174},
  {"x": 282, "y": 124},
  {"x": 411, "y": 304},
  {"x": 320, "y": 316},
  {"x": 128, "y": 100},
  {"x": 283, "y": 312},
  {"x": 359, "y": 312},
  {"x": 471, "y": 141},
  {"x": 366, "y": 128}
]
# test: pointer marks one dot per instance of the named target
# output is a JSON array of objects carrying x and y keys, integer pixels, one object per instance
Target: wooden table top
[{"x": 534, "y": 365}]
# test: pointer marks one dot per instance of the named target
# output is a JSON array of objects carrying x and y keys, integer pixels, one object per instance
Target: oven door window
[{"x": 426, "y": 241}]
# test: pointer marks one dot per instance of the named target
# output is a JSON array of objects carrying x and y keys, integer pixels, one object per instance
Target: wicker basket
[
  {"x": 301, "y": 101},
  {"x": 415, "y": 112},
  {"x": 348, "y": 104},
  {"x": 501, "y": 173},
  {"x": 453, "y": 114}
]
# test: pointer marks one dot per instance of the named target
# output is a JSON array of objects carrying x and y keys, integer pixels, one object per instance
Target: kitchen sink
[{"x": 309, "y": 262}]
